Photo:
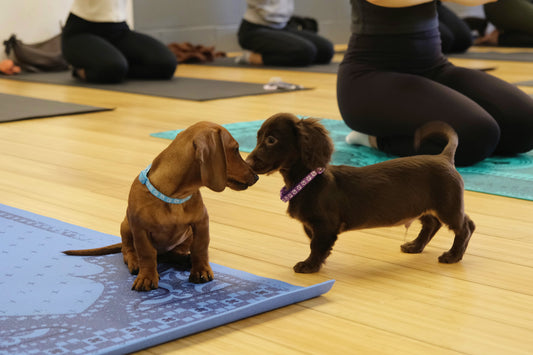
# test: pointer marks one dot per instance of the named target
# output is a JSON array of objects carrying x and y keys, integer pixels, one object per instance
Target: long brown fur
[
  {"x": 205, "y": 154},
  {"x": 395, "y": 192}
]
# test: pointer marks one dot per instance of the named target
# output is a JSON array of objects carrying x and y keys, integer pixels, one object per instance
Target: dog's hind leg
[
  {"x": 321, "y": 245},
  {"x": 430, "y": 226},
  {"x": 462, "y": 237}
]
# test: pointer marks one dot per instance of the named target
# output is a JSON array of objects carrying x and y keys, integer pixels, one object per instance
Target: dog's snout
[{"x": 249, "y": 160}]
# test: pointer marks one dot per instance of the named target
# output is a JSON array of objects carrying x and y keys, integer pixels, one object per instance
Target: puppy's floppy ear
[
  {"x": 315, "y": 144},
  {"x": 211, "y": 157}
]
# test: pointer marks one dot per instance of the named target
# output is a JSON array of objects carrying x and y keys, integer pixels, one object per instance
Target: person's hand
[{"x": 8, "y": 67}]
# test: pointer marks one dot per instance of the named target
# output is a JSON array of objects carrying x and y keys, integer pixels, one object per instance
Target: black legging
[
  {"x": 110, "y": 52},
  {"x": 454, "y": 33},
  {"x": 285, "y": 47},
  {"x": 514, "y": 20},
  {"x": 393, "y": 92}
]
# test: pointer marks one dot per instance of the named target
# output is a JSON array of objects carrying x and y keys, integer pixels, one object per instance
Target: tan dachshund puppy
[
  {"x": 330, "y": 199},
  {"x": 166, "y": 216}
]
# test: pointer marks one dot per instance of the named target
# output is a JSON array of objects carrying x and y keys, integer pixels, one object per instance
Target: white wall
[
  {"x": 32, "y": 20},
  {"x": 36, "y": 20},
  {"x": 466, "y": 11}
]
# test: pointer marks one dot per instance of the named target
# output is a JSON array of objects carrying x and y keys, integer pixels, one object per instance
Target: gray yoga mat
[
  {"x": 511, "y": 56},
  {"x": 525, "y": 83},
  {"x": 330, "y": 68},
  {"x": 177, "y": 88},
  {"x": 15, "y": 108}
]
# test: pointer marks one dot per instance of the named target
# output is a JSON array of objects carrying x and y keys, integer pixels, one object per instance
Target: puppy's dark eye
[{"x": 271, "y": 140}]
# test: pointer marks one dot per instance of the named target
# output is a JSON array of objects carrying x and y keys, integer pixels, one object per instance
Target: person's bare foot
[
  {"x": 488, "y": 40},
  {"x": 8, "y": 67},
  {"x": 248, "y": 57},
  {"x": 80, "y": 74}
]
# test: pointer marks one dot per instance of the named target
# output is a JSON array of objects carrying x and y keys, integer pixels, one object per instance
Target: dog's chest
[{"x": 169, "y": 238}]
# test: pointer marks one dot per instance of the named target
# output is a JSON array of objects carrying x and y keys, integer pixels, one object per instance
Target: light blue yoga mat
[
  {"x": 52, "y": 303},
  {"x": 504, "y": 176}
]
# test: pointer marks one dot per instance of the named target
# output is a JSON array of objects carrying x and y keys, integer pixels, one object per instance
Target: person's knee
[
  {"x": 325, "y": 53},
  {"x": 303, "y": 54},
  {"x": 111, "y": 72},
  {"x": 477, "y": 142},
  {"x": 517, "y": 138},
  {"x": 165, "y": 68}
]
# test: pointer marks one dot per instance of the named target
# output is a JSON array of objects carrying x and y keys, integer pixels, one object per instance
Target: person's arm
[
  {"x": 397, "y": 3},
  {"x": 470, "y": 2}
]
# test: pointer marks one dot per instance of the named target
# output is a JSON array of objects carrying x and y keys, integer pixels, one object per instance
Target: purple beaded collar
[{"x": 287, "y": 195}]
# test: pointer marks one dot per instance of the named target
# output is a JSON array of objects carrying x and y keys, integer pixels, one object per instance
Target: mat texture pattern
[
  {"x": 57, "y": 304},
  {"x": 177, "y": 88},
  {"x": 15, "y": 108},
  {"x": 504, "y": 176}
]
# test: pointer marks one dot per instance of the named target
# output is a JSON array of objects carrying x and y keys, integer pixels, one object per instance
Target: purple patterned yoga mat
[{"x": 52, "y": 303}]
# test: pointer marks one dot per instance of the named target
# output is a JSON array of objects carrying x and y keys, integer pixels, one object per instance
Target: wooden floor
[{"x": 79, "y": 169}]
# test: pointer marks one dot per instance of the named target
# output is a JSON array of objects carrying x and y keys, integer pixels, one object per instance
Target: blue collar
[{"x": 143, "y": 178}]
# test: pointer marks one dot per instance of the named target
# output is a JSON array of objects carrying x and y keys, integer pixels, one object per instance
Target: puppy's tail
[
  {"x": 110, "y": 249},
  {"x": 442, "y": 129}
]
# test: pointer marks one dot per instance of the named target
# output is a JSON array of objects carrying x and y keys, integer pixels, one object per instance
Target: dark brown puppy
[
  {"x": 341, "y": 198},
  {"x": 166, "y": 216}
]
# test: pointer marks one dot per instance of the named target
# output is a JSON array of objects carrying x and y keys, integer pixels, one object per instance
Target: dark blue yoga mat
[
  {"x": 504, "y": 176},
  {"x": 52, "y": 303}
]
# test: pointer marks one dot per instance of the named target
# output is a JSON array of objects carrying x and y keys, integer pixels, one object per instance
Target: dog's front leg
[
  {"x": 148, "y": 277},
  {"x": 200, "y": 270},
  {"x": 322, "y": 241},
  {"x": 128, "y": 250}
]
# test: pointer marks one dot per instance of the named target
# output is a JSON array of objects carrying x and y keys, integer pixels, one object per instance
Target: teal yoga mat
[
  {"x": 52, "y": 303},
  {"x": 504, "y": 176}
]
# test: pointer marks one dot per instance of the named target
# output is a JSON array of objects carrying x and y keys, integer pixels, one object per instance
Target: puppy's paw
[
  {"x": 305, "y": 267},
  {"x": 450, "y": 258},
  {"x": 411, "y": 248},
  {"x": 145, "y": 282},
  {"x": 201, "y": 276},
  {"x": 133, "y": 265}
]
